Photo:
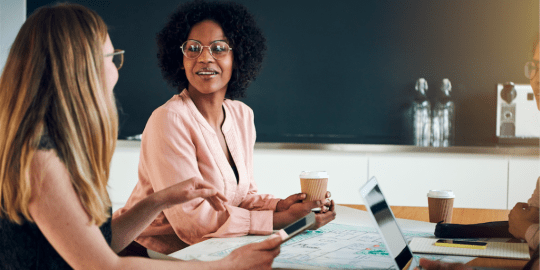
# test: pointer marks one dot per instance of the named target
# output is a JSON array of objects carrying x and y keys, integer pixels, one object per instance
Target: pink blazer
[{"x": 177, "y": 144}]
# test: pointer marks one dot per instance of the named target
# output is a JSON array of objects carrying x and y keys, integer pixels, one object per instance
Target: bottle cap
[
  {"x": 421, "y": 86},
  {"x": 446, "y": 86}
]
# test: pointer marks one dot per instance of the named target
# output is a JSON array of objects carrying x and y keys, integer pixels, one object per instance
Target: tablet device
[
  {"x": 386, "y": 224},
  {"x": 297, "y": 227}
]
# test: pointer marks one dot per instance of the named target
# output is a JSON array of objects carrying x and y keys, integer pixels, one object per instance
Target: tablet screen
[
  {"x": 389, "y": 228},
  {"x": 295, "y": 226}
]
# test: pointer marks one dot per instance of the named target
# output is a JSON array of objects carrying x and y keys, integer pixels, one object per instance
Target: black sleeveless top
[{"x": 25, "y": 247}]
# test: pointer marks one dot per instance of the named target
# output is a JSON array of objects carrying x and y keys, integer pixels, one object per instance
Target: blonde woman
[{"x": 58, "y": 125}]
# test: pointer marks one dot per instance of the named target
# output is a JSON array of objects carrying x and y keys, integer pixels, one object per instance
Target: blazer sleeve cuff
[
  {"x": 261, "y": 222},
  {"x": 272, "y": 205},
  {"x": 238, "y": 223}
]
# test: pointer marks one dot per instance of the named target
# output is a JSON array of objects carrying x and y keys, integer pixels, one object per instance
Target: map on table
[{"x": 334, "y": 246}]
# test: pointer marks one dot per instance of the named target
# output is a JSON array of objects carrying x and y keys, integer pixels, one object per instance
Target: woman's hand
[
  {"x": 284, "y": 205},
  {"x": 189, "y": 190},
  {"x": 299, "y": 210},
  {"x": 520, "y": 218},
  {"x": 324, "y": 218},
  {"x": 437, "y": 265},
  {"x": 254, "y": 256},
  {"x": 131, "y": 223}
]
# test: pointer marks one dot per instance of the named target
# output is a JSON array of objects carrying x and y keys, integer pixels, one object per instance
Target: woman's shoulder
[
  {"x": 176, "y": 104},
  {"x": 48, "y": 172},
  {"x": 170, "y": 118},
  {"x": 238, "y": 108},
  {"x": 179, "y": 106}
]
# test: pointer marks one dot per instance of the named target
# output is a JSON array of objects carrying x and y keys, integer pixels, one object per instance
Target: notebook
[{"x": 518, "y": 251}]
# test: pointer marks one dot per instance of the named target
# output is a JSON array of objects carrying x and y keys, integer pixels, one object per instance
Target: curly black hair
[{"x": 240, "y": 29}]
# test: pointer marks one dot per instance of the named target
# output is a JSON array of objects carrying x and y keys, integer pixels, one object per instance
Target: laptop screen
[{"x": 388, "y": 226}]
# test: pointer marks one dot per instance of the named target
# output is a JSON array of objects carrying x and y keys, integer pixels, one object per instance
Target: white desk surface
[{"x": 345, "y": 215}]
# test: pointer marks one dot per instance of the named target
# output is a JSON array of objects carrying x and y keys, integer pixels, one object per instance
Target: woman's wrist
[
  {"x": 157, "y": 202},
  {"x": 282, "y": 219},
  {"x": 520, "y": 229},
  {"x": 278, "y": 208},
  {"x": 524, "y": 227}
]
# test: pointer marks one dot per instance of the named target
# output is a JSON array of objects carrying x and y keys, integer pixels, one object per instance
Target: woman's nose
[{"x": 205, "y": 55}]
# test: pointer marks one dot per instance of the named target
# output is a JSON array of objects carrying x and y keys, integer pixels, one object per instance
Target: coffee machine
[{"x": 518, "y": 119}]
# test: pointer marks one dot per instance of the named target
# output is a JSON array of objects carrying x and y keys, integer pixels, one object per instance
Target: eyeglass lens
[
  {"x": 531, "y": 69},
  {"x": 118, "y": 60},
  {"x": 192, "y": 49}
]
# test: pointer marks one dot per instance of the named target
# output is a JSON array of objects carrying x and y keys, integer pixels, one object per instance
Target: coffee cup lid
[
  {"x": 443, "y": 194},
  {"x": 314, "y": 174}
]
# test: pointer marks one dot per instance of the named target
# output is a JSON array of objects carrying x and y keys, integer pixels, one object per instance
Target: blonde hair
[{"x": 53, "y": 83}]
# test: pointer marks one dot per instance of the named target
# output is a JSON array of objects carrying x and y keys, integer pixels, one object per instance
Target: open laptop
[
  {"x": 382, "y": 215},
  {"x": 388, "y": 228}
]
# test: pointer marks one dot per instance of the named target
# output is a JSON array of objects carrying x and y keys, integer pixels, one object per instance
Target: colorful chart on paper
[{"x": 334, "y": 246}]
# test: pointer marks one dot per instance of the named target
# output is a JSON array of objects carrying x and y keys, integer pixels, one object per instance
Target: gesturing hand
[
  {"x": 520, "y": 218},
  {"x": 191, "y": 189}
]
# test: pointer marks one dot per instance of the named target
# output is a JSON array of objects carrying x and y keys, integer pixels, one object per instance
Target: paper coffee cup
[
  {"x": 313, "y": 184},
  {"x": 441, "y": 205}
]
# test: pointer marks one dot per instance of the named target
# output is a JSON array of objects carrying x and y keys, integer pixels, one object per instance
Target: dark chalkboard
[{"x": 357, "y": 91}]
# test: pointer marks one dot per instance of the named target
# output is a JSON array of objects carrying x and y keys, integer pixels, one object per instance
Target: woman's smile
[{"x": 207, "y": 73}]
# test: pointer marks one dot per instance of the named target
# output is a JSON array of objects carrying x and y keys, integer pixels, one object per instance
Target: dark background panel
[{"x": 344, "y": 71}]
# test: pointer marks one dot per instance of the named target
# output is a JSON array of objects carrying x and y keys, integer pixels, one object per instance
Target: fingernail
[
  {"x": 319, "y": 203},
  {"x": 282, "y": 234}
]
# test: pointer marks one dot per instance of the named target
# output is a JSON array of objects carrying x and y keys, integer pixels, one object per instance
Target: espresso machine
[{"x": 518, "y": 119}]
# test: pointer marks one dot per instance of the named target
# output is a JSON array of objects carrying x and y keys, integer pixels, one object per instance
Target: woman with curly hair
[
  {"x": 210, "y": 52},
  {"x": 59, "y": 128}
]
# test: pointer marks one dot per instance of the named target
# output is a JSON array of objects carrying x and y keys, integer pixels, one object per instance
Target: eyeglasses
[
  {"x": 531, "y": 69},
  {"x": 117, "y": 58},
  {"x": 218, "y": 49}
]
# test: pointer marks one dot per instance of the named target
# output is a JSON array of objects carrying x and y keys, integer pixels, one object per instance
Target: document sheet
[{"x": 334, "y": 246}]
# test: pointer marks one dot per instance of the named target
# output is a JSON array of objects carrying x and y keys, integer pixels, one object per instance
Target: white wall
[
  {"x": 124, "y": 175},
  {"x": 12, "y": 16},
  {"x": 478, "y": 180},
  {"x": 522, "y": 174},
  {"x": 277, "y": 171}
]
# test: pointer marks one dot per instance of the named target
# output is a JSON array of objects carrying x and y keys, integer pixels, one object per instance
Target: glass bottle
[
  {"x": 421, "y": 115},
  {"x": 443, "y": 120}
]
